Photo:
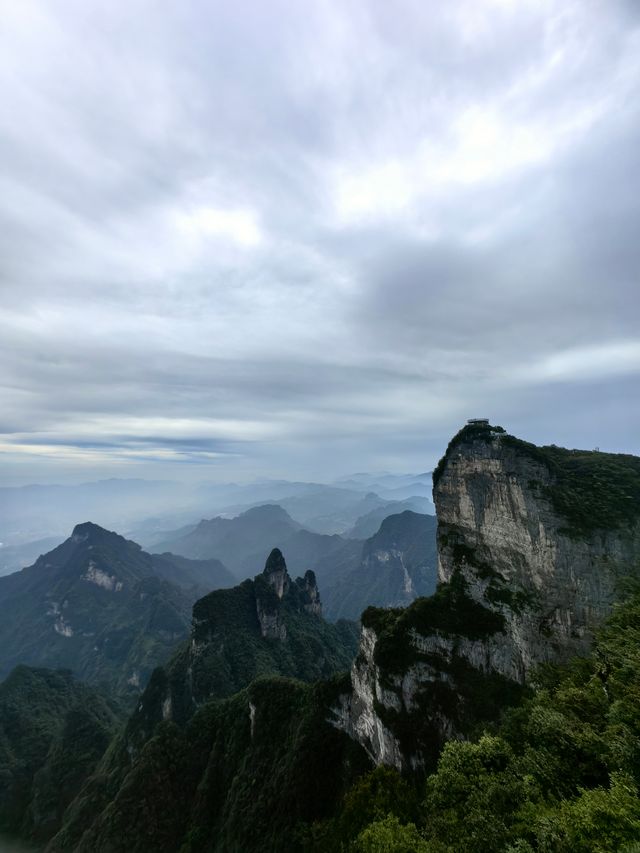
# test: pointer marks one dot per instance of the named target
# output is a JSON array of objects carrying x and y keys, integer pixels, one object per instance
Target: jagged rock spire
[
  {"x": 313, "y": 604},
  {"x": 275, "y": 572},
  {"x": 275, "y": 562}
]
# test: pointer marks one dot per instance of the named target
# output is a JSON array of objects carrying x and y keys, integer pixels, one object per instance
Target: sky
[{"x": 288, "y": 239}]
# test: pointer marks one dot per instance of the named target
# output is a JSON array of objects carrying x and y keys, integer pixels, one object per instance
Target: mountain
[
  {"x": 391, "y": 568},
  {"x": 393, "y": 486},
  {"x": 235, "y": 540},
  {"x": 241, "y": 542},
  {"x": 396, "y": 565},
  {"x": 369, "y": 524},
  {"x": 53, "y": 731},
  {"x": 269, "y": 626},
  {"x": 197, "y": 575},
  {"x": 329, "y": 509},
  {"x": 246, "y": 774},
  {"x": 265, "y": 626},
  {"x": 534, "y": 544},
  {"x": 101, "y": 607},
  {"x": 269, "y": 770},
  {"x": 145, "y": 510}
]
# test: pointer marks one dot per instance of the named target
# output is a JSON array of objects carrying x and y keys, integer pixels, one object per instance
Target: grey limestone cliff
[{"x": 532, "y": 546}]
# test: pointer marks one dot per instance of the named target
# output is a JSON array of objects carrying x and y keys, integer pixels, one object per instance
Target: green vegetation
[
  {"x": 405, "y": 544},
  {"x": 249, "y": 773},
  {"x": 498, "y": 591},
  {"x": 450, "y": 612},
  {"x": 469, "y": 432},
  {"x": 94, "y": 606},
  {"x": 560, "y": 774},
  {"x": 591, "y": 490},
  {"x": 232, "y": 651},
  {"x": 53, "y": 731},
  {"x": 264, "y": 770}
]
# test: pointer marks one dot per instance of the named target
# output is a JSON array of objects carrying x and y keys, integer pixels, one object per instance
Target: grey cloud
[{"x": 362, "y": 340}]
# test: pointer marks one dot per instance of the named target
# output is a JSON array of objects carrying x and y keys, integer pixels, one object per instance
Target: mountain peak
[
  {"x": 86, "y": 529},
  {"x": 267, "y": 512},
  {"x": 92, "y": 533},
  {"x": 275, "y": 572},
  {"x": 275, "y": 562}
]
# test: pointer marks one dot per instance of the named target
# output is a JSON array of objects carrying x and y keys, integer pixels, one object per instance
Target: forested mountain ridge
[
  {"x": 102, "y": 607},
  {"x": 271, "y": 625}
]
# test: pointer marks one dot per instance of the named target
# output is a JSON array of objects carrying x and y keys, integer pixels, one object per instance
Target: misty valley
[{"x": 333, "y": 669}]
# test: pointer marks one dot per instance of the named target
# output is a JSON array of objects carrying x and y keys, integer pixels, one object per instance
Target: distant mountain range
[
  {"x": 242, "y": 542},
  {"x": 389, "y": 568},
  {"x": 144, "y": 509},
  {"x": 110, "y": 612}
]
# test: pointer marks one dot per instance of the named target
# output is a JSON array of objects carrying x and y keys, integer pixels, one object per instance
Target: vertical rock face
[
  {"x": 532, "y": 545},
  {"x": 553, "y": 577},
  {"x": 357, "y": 714},
  {"x": 275, "y": 572},
  {"x": 395, "y": 565},
  {"x": 310, "y": 593},
  {"x": 267, "y": 605}
]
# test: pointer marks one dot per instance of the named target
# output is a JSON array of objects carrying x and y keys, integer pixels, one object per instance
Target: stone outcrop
[
  {"x": 271, "y": 624},
  {"x": 310, "y": 593},
  {"x": 499, "y": 528},
  {"x": 526, "y": 576},
  {"x": 275, "y": 573},
  {"x": 305, "y": 591}
]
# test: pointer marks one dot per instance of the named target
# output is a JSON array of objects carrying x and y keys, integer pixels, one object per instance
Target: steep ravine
[{"x": 533, "y": 544}]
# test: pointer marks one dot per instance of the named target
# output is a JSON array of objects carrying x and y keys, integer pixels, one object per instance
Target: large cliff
[{"x": 533, "y": 544}]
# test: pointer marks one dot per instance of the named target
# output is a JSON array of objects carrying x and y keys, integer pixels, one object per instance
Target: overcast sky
[{"x": 272, "y": 237}]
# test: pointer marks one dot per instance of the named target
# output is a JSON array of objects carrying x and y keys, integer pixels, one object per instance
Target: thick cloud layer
[{"x": 309, "y": 238}]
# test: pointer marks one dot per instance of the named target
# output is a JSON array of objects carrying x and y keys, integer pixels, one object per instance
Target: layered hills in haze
[
  {"x": 144, "y": 510},
  {"x": 535, "y": 548},
  {"x": 391, "y": 567}
]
